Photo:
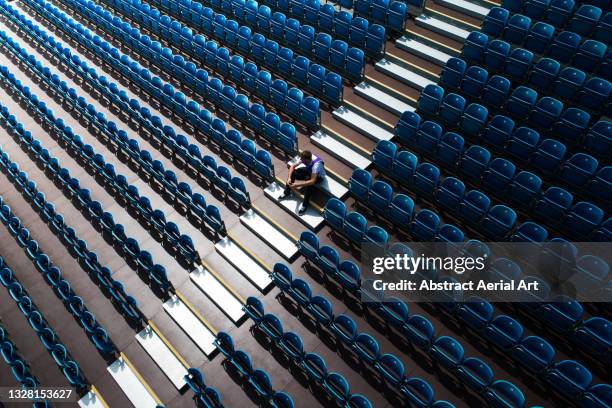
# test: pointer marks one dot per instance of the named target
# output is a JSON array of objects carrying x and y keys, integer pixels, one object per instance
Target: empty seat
[
  {"x": 546, "y": 112},
  {"x": 569, "y": 82},
  {"x": 474, "y": 81},
  {"x": 517, "y": 28},
  {"x": 452, "y": 72},
  {"x": 495, "y": 21},
  {"x": 564, "y": 46},
  {"x": 474, "y": 46},
  {"x": 540, "y": 37}
]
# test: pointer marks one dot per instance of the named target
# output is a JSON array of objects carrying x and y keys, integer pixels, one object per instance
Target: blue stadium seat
[
  {"x": 599, "y": 395},
  {"x": 451, "y": 108},
  {"x": 498, "y": 130},
  {"x": 474, "y": 81},
  {"x": 474, "y": 206},
  {"x": 496, "y": 55},
  {"x": 548, "y": 156},
  {"x": 448, "y": 352},
  {"x": 426, "y": 179},
  {"x": 498, "y": 222},
  {"x": 524, "y": 188},
  {"x": 355, "y": 226},
  {"x": 601, "y": 185},
  {"x": 582, "y": 219},
  {"x": 529, "y": 232},
  {"x": 590, "y": 55},
  {"x": 569, "y": 378},
  {"x": 384, "y": 154},
  {"x": 360, "y": 184},
  {"x": 400, "y": 210},
  {"x": 540, "y": 37},
  {"x": 495, "y": 21},
  {"x": 450, "y": 149},
  {"x": 475, "y": 161},
  {"x": 425, "y": 225},
  {"x": 496, "y": 91},
  {"x": 418, "y": 392},
  {"x": 546, "y": 112},
  {"x": 407, "y": 127},
  {"x": 523, "y": 142},
  {"x": 473, "y": 119},
  {"x": 559, "y": 12},
  {"x": 535, "y": 353},
  {"x": 404, "y": 165},
  {"x": 337, "y": 386},
  {"x": 450, "y": 193},
  {"x": 499, "y": 174},
  {"x": 504, "y": 394},
  {"x": 599, "y": 139},
  {"x": 594, "y": 334},
  {"x": 579, "y": 169},
  {"x": 452, "y": 72},
  {"x": 419, "y": 331},
  {"x": 367, "y": 348},
  {"x": 380, "y": 196},
  {"x": 428, "y": 136},
  {"x": 564, "y": 46},
  {"x": 544, "y": 73},
  {"x": 475, "y": 374},
  {"x": 430, "y": 99},
  {"x": 519, "y": 63},
  {"x": 505, "y": 332},
  {"x": 474, "y": 46},
  {"x": 521, "y": 102},
  {"x": 335, "y": 213},
  {"x": 517, "y": 28},
  {"x": 595, "y": 94}
]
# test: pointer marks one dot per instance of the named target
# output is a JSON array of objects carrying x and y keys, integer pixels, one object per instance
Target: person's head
[{"x": 306, "y": 156}]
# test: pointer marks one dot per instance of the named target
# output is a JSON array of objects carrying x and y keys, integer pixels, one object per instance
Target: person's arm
[
  {"x": 291, "y": 168},
  {"x": 310, "y": 182}
]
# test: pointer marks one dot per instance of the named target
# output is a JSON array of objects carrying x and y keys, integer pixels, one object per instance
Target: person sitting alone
[{"x": 304, "y": 175}]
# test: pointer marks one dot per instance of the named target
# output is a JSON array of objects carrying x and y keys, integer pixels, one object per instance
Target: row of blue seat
[
  {"x": 416, "y": 329},
  {"x": 546, "y": 114},
  {"x": 156, "y": 272},
  {"x": 18, "y": 366},
  {"x": 231, "y": 66},
  {"x": 350, "y": 30},
  {"x": 73, "y": 243},
  {"x": 267, "y": 124},
  {"x": 52, "y": 274},
  {"x": 254, "y": 46},
  {"x": 577, "y": 171},
  {"x": 568, "y": 85},
  {"x": 533, "y": 352},
  {"x": 257, "y": 378},
  {"x": 498, "y": 55},
  {"x": 496, "y": 175},
  {"x": 539, "y": 37},
  {"x": 357, "y": 31},
  {"x": 554, "y": 205},
  {"x": 581, "y": 18},
  {"x": 206, "y": 395},
  {"x": 337, "y": 55},
  {"x": 44, "y": 332},
  {"x": 496, "y": 222},
  {"x": 334, "y": 384},
  {"x": 181, "y": 192},
  {"x": 417, "y": 391},
  {"x": 546, "y": 158},
  {"x": 390, "y": 13},
  {"x": 243, "y": 150}
]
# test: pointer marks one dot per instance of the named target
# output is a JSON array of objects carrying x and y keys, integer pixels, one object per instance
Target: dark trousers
[{"x": 302, "y": 173}]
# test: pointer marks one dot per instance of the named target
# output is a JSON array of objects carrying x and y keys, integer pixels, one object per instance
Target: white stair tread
[
  {"x": 191, "y": 324},
  {"x": 340, "y": 150},
  {"x": 312, "y": 218},
  {"x": 131, "y": 385},
  {"x": 403, "y": 74},
  {"x": 163, "y": 356},
  {"x": 423, "y": 50},
  {"x": 380, "y": 97},
  {"x": 465, "y": 7},
  {"x": 442, "y": 27},
  {"x": 243, "y": 262},
  {"x": 91, "y": 400},
  {"x": 361, "y": 124},
  {"x": 218, "y": 293},
  {"x": 269, "y": 233},
  {"x": 329, "y": 184}
]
